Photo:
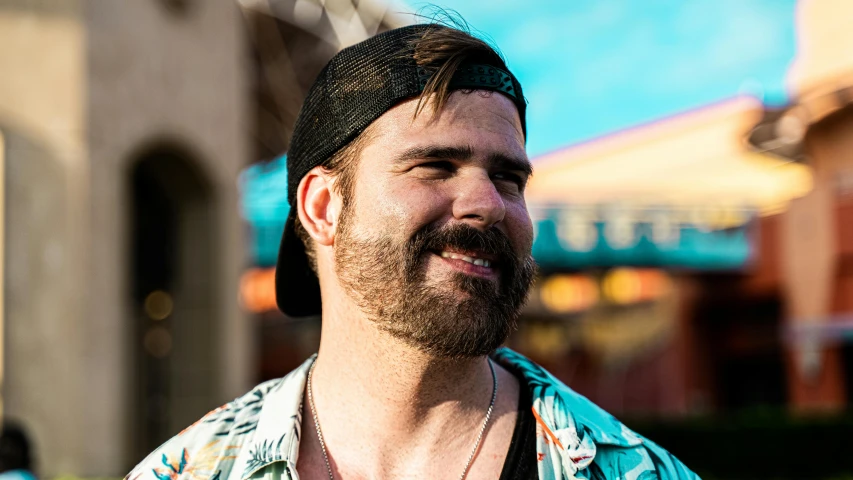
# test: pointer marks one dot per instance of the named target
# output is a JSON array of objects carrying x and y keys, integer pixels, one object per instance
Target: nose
[{"x": 478, "y": 203}]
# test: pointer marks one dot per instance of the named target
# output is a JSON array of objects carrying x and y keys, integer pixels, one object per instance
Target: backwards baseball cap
[{"x": 355, "y": 88}]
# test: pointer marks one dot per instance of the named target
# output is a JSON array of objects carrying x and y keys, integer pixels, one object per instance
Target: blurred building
[
  {"x": 123, "y": 128},
  {"x": 816, "y": 233},
  {"x": 701, "y": 264},
  {"x": 123, "y": 134},
  {"x": 653, "y": 244}
]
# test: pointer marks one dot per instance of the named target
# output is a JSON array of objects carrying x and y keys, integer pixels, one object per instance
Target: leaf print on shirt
[
  {"x": 204, "y": 464},
  {"x": 263, "y": 454},
  {"x": 246, "y": 408},
  {"x": 207, "y": 463},
  {"x": 171, "y": 468}
]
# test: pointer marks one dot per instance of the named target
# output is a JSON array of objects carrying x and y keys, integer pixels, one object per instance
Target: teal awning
[
  {"x": 565, "y": 243},
  {"x": 263, "y": 203}
]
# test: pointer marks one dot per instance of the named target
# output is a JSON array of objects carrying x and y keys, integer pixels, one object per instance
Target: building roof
[
  {"x": 820, "y": 78},
  {"x": 351, "y": 21},
  {"x": 698, "y": 158}
]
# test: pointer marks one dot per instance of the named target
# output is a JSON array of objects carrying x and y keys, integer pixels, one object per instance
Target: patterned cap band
[{"x": 477, "y": 76}]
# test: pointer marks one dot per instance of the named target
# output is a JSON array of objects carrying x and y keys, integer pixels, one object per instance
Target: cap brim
[{"x": 297, "y": 289}]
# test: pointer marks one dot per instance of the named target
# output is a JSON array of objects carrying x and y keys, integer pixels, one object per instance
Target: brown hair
[{"x": 440, "y": 51}]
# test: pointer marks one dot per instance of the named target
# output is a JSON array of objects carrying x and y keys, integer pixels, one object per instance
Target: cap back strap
[{"x": 477, "y": 76}]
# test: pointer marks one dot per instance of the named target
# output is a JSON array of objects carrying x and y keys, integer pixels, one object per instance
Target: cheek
[
  {"x": 520, "y": 227},
  {"x": 408, "y": 206}
]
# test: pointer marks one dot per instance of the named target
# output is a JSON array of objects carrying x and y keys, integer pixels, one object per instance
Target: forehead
[{"x": 488, "y": 122}]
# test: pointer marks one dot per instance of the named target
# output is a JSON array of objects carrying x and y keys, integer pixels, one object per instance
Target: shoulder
[
  {"x": 208, "y": 448},
  {"x": 579, "y": 435}
]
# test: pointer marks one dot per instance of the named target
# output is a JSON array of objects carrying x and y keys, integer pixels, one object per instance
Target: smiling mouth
[
  {"x": 473, "y": 263},
  {"x": 472, "y": 258}
]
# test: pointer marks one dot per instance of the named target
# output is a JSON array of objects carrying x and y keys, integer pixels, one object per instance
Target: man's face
[{"x": 434, "y": 245}]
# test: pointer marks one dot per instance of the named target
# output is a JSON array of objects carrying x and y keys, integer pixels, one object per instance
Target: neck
[
  {"x": 358, "y": 361},
  {"x": 409, "y": 408}
]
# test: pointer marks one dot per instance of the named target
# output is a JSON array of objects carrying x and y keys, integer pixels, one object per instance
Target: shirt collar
[
  {"x": 276, "y": 438},
  {"x": 559, "y": 407},
  {"x": 566, "y": 416}
]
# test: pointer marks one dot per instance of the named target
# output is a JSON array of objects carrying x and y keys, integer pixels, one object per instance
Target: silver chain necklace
[{"x": 470, "y": 457}]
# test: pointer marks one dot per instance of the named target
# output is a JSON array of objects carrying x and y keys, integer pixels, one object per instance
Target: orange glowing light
[
  {"x": 257, "y": 290},
  {"x": 568, "y": 293},
  {"x": 625, "y": 286}
]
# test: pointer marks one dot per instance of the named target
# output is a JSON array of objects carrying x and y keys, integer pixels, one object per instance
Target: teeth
[{"x": 476, "y": 261}]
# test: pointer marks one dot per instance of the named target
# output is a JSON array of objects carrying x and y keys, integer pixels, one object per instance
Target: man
[{"x": 409, "y": 232}]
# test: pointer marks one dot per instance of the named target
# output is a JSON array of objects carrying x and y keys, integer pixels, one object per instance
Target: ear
[{"x": 317, "y": 206}]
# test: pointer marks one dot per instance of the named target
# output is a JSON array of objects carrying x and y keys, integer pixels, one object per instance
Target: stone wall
[
  {"x": 93, "y": 84},
  {"x": 161, "y": 76},
  {"x": 42, "y": 116}
]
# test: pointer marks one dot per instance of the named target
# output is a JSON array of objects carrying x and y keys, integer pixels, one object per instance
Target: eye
[
  {"x": 435, "y": 170},
  {"x": 438, "y": 165},
  {"x": 510, "y": 177}
]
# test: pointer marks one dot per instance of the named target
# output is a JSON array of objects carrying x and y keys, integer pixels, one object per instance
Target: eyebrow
[{"x": 463, "y": 153}]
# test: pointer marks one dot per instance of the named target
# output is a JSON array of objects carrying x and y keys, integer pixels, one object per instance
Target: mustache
[{"x": 460, "y": 236}]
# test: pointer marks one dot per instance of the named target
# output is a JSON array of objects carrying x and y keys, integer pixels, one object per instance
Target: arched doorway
[{"x": 173, "y": 279}]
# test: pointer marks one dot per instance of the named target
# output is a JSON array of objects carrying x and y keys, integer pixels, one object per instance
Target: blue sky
[{"x": 593, "y": 67}]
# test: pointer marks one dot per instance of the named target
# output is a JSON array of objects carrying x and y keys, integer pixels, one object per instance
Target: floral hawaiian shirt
[{"x": 256, "y": 437}]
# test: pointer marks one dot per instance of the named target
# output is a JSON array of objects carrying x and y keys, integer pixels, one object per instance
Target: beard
[{"x": 467, "y": 317}]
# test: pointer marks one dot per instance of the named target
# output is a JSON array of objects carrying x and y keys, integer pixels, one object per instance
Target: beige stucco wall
[
  {"x": 823, "y": 31},
  {"x": 156, "y": 76},
  {"x": 42, "y": 115},
  {"x": 86, "y": 85}
]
